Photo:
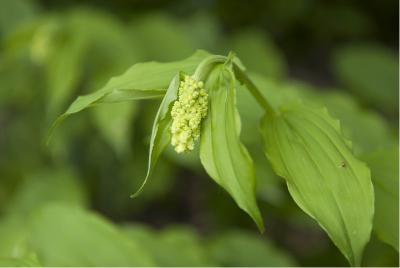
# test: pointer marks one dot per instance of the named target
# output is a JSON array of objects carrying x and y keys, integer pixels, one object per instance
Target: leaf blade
[
  {"x": 306, "y": 148},
  {"x": 141, "y": 81},
  {"x": 160, "y": 136},
  {"x": 222, "y": 154}
]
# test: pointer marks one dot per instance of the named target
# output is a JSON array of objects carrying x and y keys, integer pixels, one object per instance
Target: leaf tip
[
  {"x": 261, "y": 228},
  {"x": 260, "y": 223},
  {"x": 138, "y": 191}
]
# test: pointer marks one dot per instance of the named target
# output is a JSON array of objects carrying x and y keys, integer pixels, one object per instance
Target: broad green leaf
[
  {"x": 68, "y": 236},
  {"x": 160, "y": 134},
  {"x": 222, "y": 154},
  {"x": 246, "y": 249},
  {"x": 355, "y": 119},
  {"x": 141, "y": 81},
  {"x": 384, "y": 165},
  {"x": 305, "y": 147}
]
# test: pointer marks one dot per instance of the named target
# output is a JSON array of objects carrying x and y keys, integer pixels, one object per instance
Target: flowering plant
[{"x": 304, "y": 144}]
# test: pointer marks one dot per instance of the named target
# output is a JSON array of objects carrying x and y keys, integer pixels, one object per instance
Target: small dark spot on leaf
[{"x": 342, "y": 164}]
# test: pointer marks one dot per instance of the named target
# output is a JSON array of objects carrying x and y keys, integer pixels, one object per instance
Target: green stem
[{"x": 243, "y": 77}]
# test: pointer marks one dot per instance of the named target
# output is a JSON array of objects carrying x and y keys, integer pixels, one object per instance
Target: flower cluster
[{"x": 187, "y": 113}]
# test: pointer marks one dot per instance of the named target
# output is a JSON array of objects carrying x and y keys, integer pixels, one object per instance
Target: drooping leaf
[
  {"x": 160, "y": 134},
  {"x": 141, "y": 81},
  {"x": 222, "y": 154},
  {"x": 384, "y": 165},
  {"x": 68, "y": 236},
  {"x": 305, "y": 147}
]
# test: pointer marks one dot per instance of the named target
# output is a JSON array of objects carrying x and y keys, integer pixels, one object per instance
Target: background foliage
[{"x": 68, "y": 204}]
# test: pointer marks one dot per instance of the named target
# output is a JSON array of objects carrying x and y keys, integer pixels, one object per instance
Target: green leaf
[
  {"x": 141, "y": 81},
  {"x": 222, "y": 154},
  {"x": 305, "y": 147},
  {"x": 246, "y": 249},
  {"x": 355, "y": 120},
  {"x": 160, "y": 135},
  {"x": 68, "y": 236},
  {"x": 384, "y": 166}
]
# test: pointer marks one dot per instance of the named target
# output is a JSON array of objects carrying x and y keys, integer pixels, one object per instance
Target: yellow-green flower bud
[{"x": 187, "y": 112}]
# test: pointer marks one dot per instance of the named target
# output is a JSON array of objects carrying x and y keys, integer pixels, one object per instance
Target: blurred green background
[{"x": 68, "y": 204}]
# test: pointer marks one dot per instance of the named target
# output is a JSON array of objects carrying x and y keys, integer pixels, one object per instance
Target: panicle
[{"x": 187, "y": 112}]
